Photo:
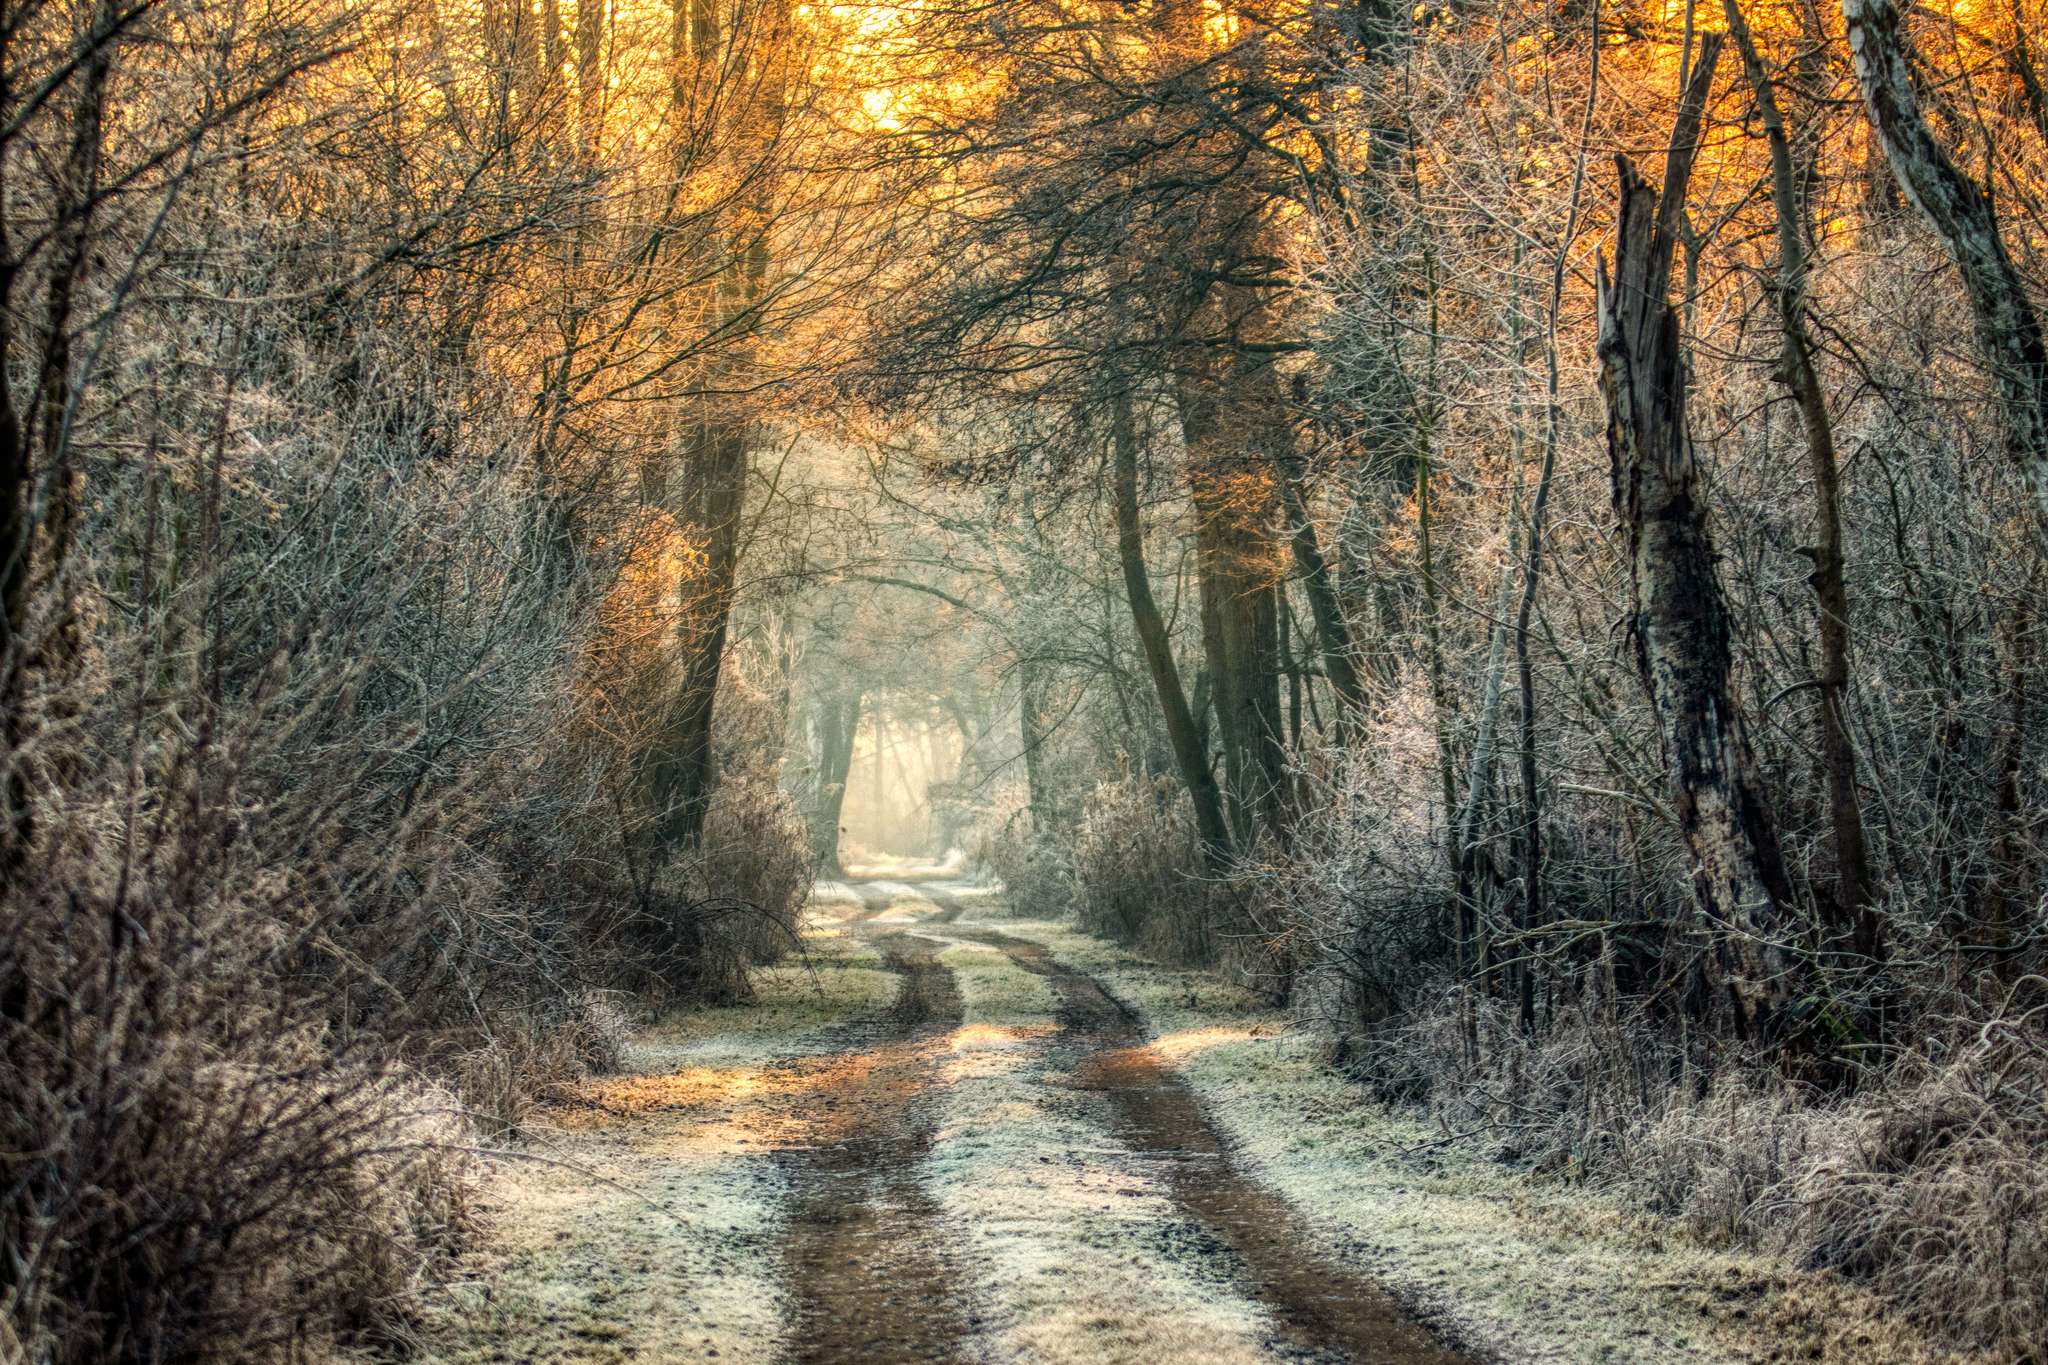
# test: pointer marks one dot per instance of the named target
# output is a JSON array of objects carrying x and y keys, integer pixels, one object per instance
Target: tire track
[
  {"x": 862, "y": 1261},
  {"x": 950, "y": 907},
  {"x": 875, "y": 899},
  {"x": 1322, "y": 1310}
]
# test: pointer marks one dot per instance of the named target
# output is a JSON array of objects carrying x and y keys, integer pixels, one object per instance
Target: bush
[
  {"x": 1139, "y": 874},
  {"x": 517, "y": 1058},
  {"x": 1354, "y": 905},
  {"x": 200, "y": 1158},
  {"x": 699, "y": 921},
  {"x": 276, "y": 941},
  {"x": 1037, "y": 874},
  {"x": 1930, "y": 1184},
  {"x": 753, "y": 875},
  {"x": 1572, "y": 1100}
]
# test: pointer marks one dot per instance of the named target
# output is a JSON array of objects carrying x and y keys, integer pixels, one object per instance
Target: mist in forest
[{"x": 889, "y": 798}]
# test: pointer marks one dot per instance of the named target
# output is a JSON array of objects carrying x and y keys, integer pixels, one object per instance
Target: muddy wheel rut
[
  {"x": 950, "y": 907},
  {"x": 870, "y": 1278},
  {"x": 1321, "y": 1310},
  {"x": 875, "y": 899}
]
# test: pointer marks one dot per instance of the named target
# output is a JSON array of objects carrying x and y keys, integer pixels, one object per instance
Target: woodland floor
[{"x": 951, "y": 1135}]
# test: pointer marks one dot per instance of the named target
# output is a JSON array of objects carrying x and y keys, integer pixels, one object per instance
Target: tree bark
[
  {"x": 1960, "y": 212},
  {"x": 1679, "y": 617},
  {"x": 1190, "y": 751},
  {"x": 1226, "y": 408},
  {"x": 1853, "y": 913}
]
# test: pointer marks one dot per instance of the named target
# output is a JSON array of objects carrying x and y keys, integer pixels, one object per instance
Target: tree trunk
[
  {"x": 1479, "y": 770},
  {"x": 1292, "y": 669},
  {"x": 1226, "y": 420},
  {"x": 1032, "y": 733},
  {"x": 1679, "y": 619},
  {"x": 38, "y": 496},
  {"x": 1190, "y": 752},
  {"x": 1853, "y": 913},
  {"x": 838, "y": 724},
  {"x": 717, "y": 460},
  {"x": 1959, "y": 210},
  {"x": 1333, "y": 633},
  {"x": 716, "y": 473}
]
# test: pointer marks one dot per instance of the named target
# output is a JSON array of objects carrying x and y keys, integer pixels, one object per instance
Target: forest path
[
  {"x": 1320, "y": 1309},
  {"x": 930, "y": 1142},
  {"x": 948, "y": 1134}
]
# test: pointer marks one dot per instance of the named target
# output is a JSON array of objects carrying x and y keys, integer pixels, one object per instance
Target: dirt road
[
  {"x": 945, "y": 1135},
  {"x": 871, "y": 1279},
  {"x": 1320, "y": 1310},
  {"x": 934, "y": 1142}
]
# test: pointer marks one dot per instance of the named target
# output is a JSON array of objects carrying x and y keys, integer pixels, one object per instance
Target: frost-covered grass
[
  {"x": 613, "y": 1252},
  {"x": 1531, "y": 1269},
  {"x": 1078, "y": 1253},
  {"x": 644, "y": 1219},
  {"x": 835, "y": 978},
  {"x": 982, "y": 901},
  {"x": 906, "y": 904}
]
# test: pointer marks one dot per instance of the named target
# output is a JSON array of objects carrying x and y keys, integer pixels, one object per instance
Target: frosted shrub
[
  {"x": 754, "y": 870},
  {"x": 1721, "y": 1161},
  {"x": 736, "y": 903},
  {"x": 1138, "y": 869},
  {"x": 525, "y": 1055},
  {"x": 1930, "y": 1183},
  {"x": 1037, "y": 874},
  {"x": 1361, "y": 887},
  {"x": 1936, "y": 1190},
  {"x": 201, "y": 1157}
]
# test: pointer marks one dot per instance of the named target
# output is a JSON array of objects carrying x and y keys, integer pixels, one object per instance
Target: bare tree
[
  {"x": 1797, "y": 371},
  {"x": 1960, "y": 212},
  {"x": 1680, "y": 621}
]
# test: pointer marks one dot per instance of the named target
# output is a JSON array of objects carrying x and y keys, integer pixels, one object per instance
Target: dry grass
[
  {"x": 1036, "y": 872},
  {"x": 1928, "y": 1185},
  {"x": 608, "y": 1249},
  {"x": 1139, "y": 878}
]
